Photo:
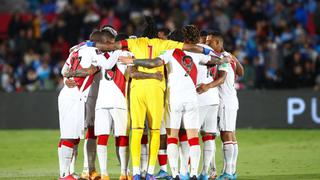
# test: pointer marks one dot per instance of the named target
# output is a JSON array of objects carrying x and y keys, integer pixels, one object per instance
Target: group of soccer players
[{"x": 171, "y": 88}]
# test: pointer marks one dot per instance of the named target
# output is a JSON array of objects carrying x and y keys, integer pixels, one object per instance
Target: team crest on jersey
[
  {"x": 110, "y": 74},
  {"x": 98, "y": 51},
  {"x": 187, "y": 62}
]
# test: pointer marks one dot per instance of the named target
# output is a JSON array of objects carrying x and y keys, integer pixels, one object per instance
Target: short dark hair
[
  {"x": 203, "y": 33},
  {"x": 150, "y": 31},
  {"x": 166, "y": 31},
  {"x": 191, "y": 34},
  {"x": 96, "y": 36},
  {"x": 216, "y": 34},
  {"x": 121, "y": 36},
  {"x": 176, "y": 35}
]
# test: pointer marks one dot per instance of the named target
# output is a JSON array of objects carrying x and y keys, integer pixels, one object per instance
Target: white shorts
[
  {"x": 208, "y": 118},
  {"x": 163, "y": 128},
  {"x": 90, "y": 111},
  {"x": 227, "y": 118},
  {"x": 186, "y": 113},
  {"x": 71, "y": 118},
  {"x": 111, "y": 119}
]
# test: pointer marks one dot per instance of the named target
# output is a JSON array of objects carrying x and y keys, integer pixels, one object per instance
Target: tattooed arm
[
  {"x": 148, "y": 63},
  {"x": 81, "y": 72},
  {"x": 135, "y": 74}
]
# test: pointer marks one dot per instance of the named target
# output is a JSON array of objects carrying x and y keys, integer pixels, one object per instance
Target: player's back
[
  {"x": 227, "y": 90},
  {"x": 81, "y": 58},
  {"x": 145, "y": 48},
  {"x": 205, "y": 76},
  {"x": 112, "y": 83}
]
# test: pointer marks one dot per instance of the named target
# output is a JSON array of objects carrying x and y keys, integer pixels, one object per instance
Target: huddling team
[{"x": 170, "y": 90}]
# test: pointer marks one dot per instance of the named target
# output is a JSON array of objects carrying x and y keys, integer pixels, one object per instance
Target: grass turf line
[{"x": 263, "y": 154}]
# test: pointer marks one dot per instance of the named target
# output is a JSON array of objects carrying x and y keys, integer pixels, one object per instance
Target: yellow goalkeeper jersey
[{"x": 145, "y": 48}]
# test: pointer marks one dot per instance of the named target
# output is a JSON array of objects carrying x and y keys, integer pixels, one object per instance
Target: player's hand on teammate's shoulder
[
  {"x": 202, "y": 88},
  {"x": 70, "y": 83},
  {"x": 126, "y": 59}
]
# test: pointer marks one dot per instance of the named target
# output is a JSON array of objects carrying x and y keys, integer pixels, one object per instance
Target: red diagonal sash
[
  {"x": 187, "y": 64},
  {"x": 75, "y": 64},
  {"x": 116, "y": 75}
]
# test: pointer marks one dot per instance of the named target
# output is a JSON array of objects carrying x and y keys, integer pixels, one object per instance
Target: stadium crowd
[{"x": 277, "y": 41}]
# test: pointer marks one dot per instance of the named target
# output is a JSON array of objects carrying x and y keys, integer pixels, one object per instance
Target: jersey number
[
  {"x": 75, "y": 61},
  {"x": 150, "y": 51}
]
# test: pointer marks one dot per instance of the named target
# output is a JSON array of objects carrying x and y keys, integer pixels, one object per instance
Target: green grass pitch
[{"x": 263, "y": 154}]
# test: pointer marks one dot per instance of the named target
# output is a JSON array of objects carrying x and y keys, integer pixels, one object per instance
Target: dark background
[{"x": 258, "y": 109}]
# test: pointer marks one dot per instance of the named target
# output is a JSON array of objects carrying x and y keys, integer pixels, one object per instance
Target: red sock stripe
[
  {"x": 208, "y": 137},
  {"x": 172, "y": 140},
  {"x": 183, "y": 136},
  {"x": 67, "y": 143},
  {"x": 90, "y": 133},
  {"x": 144, "y": 139},
  {"x": 227, "y": 142},
  {"x": 162, "y": 159},
  {"x": 194, "y": 141},
  {"x": 60, "y": 143},
  {"x": 77, "y": 141},
  {"x": 122, "y": 141},
  {"x": 103, "y": 140}
]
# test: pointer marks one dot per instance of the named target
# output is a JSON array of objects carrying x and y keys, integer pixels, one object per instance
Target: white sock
[
  {"x": 195, "y": 153},
  {"x": 173, "y": 157},
  {"x": 208, "y": 150},
  {"x": 60, "y": 161},
  {"x": 235, "y": 157},
  {"x": 135, "y": 170},
  {"x": 184, "y": 157},
  {"x": 74, "y": 159},
  {"x": 228, "y": 156},
  {"x": 144, "y": 157},
  {"x": 89, "y": 152},
  {"x": 150, "y": 169},
  {"x": 213, "y": 162},
  {"x": 66, "y": 157},
  {"x": 102, "y": 152},
  {"x": 124, "y": 159},
  {"x": 163, "y": 152}
]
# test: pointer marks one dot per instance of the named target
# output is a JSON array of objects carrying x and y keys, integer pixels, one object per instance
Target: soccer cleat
[
  {"x": 184, "y": 177},
  {"x": 104, "y": 177},
  {"x": 235, "y": 176},
  {"x": 94, "y": 175},
  {"x": 84, "y": 176},
  {"x": 162, "y": 174},
  {"x": 129, "y": 177},
  {"x": 176, "y": 178},
  {"x": 123, "y": 177},
  {"x": 203, "y": 177},
  {"x": 143, "y": 174},
  {"x": 150, "y": 177},
  {"x": 70, "y": 177},
  {"x": 225, "y": 176},
  {"x": 136, "y": 177},
  {"x": 194, "y": 177}
]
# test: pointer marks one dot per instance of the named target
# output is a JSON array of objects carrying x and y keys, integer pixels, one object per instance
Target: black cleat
[
  {"x": 194, "y": 178},
  {"x": 176, "y": 178}
]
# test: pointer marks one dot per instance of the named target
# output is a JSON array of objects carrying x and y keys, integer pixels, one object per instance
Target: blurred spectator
[{"x": 278, "y": 42}]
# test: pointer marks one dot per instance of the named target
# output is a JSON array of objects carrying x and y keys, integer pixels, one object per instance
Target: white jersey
[
  {"x": 112, "y": 87},
  {"x": 227, "y": 90},
  {"x": 205, "y": 76},
  {"x": 182, "y": 75},
  {"x": 83, "y": 57}
]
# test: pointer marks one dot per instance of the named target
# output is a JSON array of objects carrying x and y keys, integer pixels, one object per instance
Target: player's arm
[
  {"x": 239, "y": 67},
  {"x": 220, "y": 80},
  {"x": 81, "y": 72},
  {"x": 108, "y": 46},
  {"x": 148, "y": 63},
  {"x": 199, "y": 49},
  {"x": 135, "y": 74}
]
